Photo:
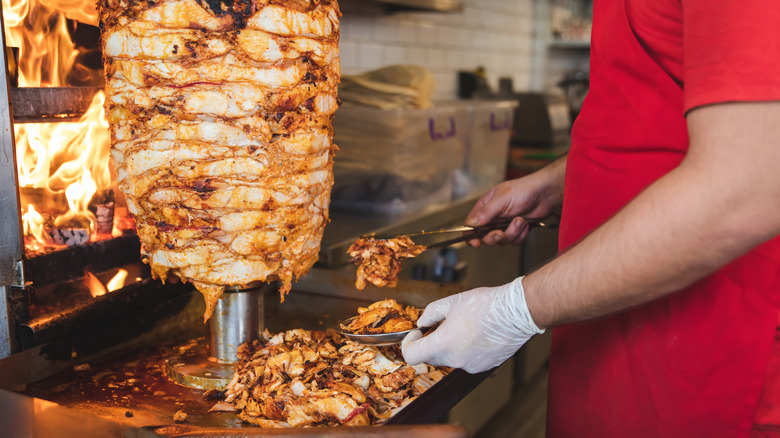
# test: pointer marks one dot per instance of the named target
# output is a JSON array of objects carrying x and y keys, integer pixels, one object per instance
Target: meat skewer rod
[{"x": 239, "y": 317}]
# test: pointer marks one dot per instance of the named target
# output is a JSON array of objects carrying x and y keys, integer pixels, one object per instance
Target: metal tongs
[{"x": 471, "y": 232}]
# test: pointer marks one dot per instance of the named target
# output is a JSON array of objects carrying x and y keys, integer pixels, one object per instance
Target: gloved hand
[{"x": 481, "y": 329}]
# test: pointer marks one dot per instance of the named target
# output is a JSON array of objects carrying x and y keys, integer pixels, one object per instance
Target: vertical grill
[{"x": 43, "y": 293}]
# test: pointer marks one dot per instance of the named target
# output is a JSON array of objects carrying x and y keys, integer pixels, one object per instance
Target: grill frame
[{"x": 11, "y": 240}]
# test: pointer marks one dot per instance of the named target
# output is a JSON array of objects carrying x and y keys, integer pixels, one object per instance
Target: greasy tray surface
[{"x": 131, "y": 389}]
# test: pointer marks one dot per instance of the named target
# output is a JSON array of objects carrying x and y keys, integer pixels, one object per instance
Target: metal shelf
[
  {"x": 429, "y": 5},
  {"x": 569, "y": 44}
]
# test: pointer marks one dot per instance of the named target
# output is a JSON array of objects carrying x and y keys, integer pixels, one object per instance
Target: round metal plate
[{"x": 192, "y": 367}]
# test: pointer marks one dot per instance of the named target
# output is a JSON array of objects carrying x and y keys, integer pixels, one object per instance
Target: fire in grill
[{"x": 66, "y": 183}]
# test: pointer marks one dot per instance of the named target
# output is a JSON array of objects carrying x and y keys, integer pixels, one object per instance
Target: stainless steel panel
[
  {"x": 11, "y": 243},
  {"x": 7, "y": 334},
  {"x": 10, "y": 224}
]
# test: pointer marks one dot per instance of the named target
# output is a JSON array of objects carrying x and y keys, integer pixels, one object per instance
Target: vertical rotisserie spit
[{"x": 220, "y": 114}]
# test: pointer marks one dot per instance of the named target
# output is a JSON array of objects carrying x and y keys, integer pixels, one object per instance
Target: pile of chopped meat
[
  {"x": 385, "y": 316},
  {"x": 379, "y": 260},
  {"x": 313, "y": 378},
  {"x": 220, "y": 115}
]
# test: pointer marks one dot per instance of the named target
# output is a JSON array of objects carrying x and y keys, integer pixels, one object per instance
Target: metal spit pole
[{"x": 238, "y": 318}]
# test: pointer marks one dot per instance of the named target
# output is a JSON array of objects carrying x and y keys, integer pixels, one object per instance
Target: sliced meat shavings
[
  {"x": 300, "y": 378},
  {"x": 379, "y": 260},
  {"x": 385, "y": 316},
  {"x": 180, "y": 416}
]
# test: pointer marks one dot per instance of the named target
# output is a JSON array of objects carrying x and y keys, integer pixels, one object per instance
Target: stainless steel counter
[{"x": 23, "y": 416}]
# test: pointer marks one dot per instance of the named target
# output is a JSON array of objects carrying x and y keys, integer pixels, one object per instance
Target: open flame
[
  {"x": 39, "y": 30},
  {"x": 118, "y": 281},
  {"x": 61, "y": 165},
  {"x": 97, "y": 288},
  {"x": 33, "y": 224}
]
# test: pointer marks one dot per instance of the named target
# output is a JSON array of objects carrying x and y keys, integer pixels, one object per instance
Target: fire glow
[
  {"x": 61, "y": 165},
  {"x": 97, "y": 288}
]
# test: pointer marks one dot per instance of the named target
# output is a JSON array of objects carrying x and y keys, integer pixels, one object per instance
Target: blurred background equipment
[
  {"x": 575, "y": 85},
  {"x": 542, "y": 120}
]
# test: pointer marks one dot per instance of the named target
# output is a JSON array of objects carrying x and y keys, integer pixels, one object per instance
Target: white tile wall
[{"x": 495, "y": 34}]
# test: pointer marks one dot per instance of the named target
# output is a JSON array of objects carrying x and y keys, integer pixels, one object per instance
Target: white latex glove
[{"x": 481, "y": 329}]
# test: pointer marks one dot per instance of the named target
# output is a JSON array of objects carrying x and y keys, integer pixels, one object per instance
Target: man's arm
[{"x": 723, "y": 200}]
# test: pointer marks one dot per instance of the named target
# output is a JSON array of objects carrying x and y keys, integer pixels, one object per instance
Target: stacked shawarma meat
[{"x": 220, "y": 114}]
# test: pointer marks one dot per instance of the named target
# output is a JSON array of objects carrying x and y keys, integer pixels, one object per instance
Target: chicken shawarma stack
[{"x": 220, "y": 114}]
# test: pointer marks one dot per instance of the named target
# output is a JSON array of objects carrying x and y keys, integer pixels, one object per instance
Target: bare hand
[{"x": 533, "y": 196}]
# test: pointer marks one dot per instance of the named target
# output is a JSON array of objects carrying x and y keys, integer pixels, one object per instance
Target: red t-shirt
[{"x": 692, "y": 364}]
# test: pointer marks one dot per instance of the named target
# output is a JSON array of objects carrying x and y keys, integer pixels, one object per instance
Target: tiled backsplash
[{"x": 495, "y": 34}]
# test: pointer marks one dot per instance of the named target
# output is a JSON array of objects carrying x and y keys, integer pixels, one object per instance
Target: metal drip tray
[{"x": 128, "y": 386}]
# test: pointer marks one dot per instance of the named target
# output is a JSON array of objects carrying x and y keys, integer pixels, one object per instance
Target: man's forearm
[
  {"x": 684, "y": 226},
  {"x": 555, "y": 173}
]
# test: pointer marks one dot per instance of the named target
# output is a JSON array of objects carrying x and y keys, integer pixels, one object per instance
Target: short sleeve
[{"x": 731, "y": 51}]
